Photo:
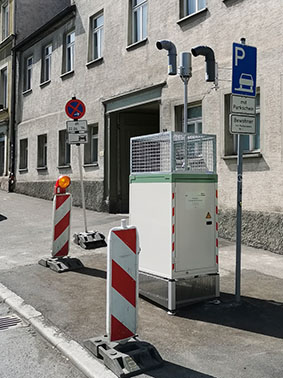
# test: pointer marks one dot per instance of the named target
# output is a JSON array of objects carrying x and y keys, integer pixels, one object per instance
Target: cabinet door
[{"x": 195, "y": 227}]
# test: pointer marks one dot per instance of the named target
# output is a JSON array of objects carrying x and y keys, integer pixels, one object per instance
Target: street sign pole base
[
  {"x": 61, "y": 264},
  {"x": 125, "y": 359},
  {"x": 90, "y": 239}
]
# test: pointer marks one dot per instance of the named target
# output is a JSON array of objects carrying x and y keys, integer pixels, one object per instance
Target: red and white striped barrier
[
  {"x": 122, "y": 282},
  {"x": 61, "y": 224}
]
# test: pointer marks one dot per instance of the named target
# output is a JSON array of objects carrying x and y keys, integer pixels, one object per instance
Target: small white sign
[
  {"x": 243, "y": 105},
  {"x": 75, "y": 126},
  {"x": 79, "y": 138},
  {"x": 241, "y": 124}
]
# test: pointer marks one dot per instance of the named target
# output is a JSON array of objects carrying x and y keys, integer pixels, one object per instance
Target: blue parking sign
[{"x": 244, "y": 70}]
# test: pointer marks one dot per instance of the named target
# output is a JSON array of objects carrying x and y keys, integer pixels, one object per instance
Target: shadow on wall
[
  {"x": 230, "y": 3},
  {"x": 252, "y": 314},
  {"x": 251, "y": 164},
  {"x": 2, "y": 217}
]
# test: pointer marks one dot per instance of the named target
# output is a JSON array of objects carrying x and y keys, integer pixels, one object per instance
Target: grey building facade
[{"x": 105, "y": 54}]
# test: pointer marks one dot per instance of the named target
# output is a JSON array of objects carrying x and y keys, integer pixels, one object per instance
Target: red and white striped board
[
  {"x": 61, "y": 224},
  {"x": 122, "y": 282}
]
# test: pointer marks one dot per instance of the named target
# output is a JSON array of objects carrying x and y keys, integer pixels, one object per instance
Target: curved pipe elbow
[
  {"x": 208, "y": 53},
  {"x": 172, "y": 54}
]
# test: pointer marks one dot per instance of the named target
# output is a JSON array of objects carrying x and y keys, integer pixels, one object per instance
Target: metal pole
[
  {"x": 239, "y": 213},
  {"x": 239, "y": 218},
  {"x": 82, "y": 184},
  {"x": 185, "y": 80}
]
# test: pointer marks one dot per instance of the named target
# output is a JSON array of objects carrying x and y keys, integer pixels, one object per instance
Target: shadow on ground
[
  {"x": 170, "y": 370},
  {"x": 252, "y": 314},
  {"x": 2, "y": 217},
  {"x": 92, "y": 272}
]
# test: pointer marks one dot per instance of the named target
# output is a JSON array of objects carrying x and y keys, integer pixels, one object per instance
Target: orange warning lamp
[{"x": 61, "y": 184}]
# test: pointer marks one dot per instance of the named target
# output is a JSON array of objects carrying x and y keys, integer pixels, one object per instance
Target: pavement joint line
[{"x": 68, "y": 347}]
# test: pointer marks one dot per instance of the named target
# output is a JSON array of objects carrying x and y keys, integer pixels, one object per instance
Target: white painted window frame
[
  {"x": 186, "y": 7},
  {"x": 5, "y": 20},
  {"x": 97, "y": 33},
  {"x": 139, "y": 9},
  {"x": 28, "y": 73},
  {"x": 47, "y": 62},
  {"x": 70, "y": 46}
]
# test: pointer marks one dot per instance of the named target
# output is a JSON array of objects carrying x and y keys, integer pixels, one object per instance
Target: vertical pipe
[{"x": 82, "y": 185}]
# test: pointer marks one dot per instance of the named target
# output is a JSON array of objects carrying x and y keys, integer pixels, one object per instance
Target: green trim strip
[{"x": 172, "y": 177}]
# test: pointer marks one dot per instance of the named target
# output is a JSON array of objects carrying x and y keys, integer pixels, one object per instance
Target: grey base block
[
  {"x": 90, "y": 239},
  {"x": 61, "y": 264},
  {"x": 174, "y": 294},
  {"x": 125, "y": 359}
]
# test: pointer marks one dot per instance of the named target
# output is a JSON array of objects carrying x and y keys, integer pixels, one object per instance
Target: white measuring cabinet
[{"x": 173, "y": 204}]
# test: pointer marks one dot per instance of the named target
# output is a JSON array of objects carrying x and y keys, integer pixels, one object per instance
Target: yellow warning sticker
[{"x": 208, "y": 216}]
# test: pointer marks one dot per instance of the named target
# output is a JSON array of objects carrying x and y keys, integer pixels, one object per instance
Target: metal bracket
[
  {"x": 126, "y": 359},
  {"x": 90, "y": 239},
  {"x": 61, "y": 264}
]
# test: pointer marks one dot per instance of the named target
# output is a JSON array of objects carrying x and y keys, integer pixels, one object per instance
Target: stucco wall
[{"x": 124, "y": 70}]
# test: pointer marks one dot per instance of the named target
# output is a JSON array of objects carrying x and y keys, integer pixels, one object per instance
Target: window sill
[
  {"x": 94, "y": 62},
  {"x": 251, "y": 155},
  {"x": 23, "y": 170},
  {"x": 41, "y": 168},
  {"x": 28, "y": 91},
  {"x": 67, "y": 74},
  {"x": 190, "y": 16},
  {"x": 64, "y": 166},
  {"x": 44, "y": 83},
  {"x": 137, "y": 44},
  {"x": 90, "y": 165}
]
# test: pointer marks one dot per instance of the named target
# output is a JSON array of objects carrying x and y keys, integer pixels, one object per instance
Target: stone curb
[{"x": 69, "y": 348}]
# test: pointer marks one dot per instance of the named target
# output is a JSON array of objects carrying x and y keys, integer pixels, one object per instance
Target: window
[
  {"x": 4, "y": 88},
  {"x": 23, "y": 154},
  {"x": 42, "y": 151},
  {"x": 47, "y": 52},
  {"x": 69, "y": 52},
  {"x": 91, "y": 148},
  {"x": 97, "y": 23},
  {"x": 139, "y": 20},
  {"x": 194, "y": 124},
  {"x": 189, "y": 7},
  {"x": 251, "y": 143},
  {"x": 5, "y": 20},
  {"x": 64, "y": 149},
  {"x": 28, "y": 73}
]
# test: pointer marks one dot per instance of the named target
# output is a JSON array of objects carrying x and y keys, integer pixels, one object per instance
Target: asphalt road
[
  {"x": 216, "y": 339},
  {"x": 26, "y": 354}
]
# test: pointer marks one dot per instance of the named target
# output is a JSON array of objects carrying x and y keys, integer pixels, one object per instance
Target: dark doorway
[{"x": 136, "y": 121}]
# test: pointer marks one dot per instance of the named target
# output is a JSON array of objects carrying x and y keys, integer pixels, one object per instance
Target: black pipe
[
  {"x": 172, "y": 54},
  {"x": 209, "y": 59}
]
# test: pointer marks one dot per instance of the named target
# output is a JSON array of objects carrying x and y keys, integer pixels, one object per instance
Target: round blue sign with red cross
[{"x": 75, "y": 108}]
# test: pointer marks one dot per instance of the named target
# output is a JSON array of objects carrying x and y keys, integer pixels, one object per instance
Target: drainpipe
[{"x": 13, "y": 109}]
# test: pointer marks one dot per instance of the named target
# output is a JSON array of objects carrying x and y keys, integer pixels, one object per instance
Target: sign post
[
  {"x": 242, "y": 121},
  {"x": 77, "y": 134}
]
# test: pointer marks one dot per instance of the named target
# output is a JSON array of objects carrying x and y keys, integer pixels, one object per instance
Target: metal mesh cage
[{"x": 173, "y": 152}]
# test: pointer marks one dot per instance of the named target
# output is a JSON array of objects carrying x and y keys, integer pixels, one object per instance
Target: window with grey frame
[
  {"x": 42, "y": 151},
  {"x": 2, "y": 154},
  {"x": 5, "y": 20},
  {"x": 139, "y": 20},
  {"x": 189, "y": 7},
  {"x": 28, "y": 73},
  {"x": 47, "y": 53},
  {"x": 4, "y": 89},
  {"x": 64, "y": 150},
  {"x": 69, "y": 52},
  {"x": 251, "y": 143},
  {"x": 23, "y": 165},
  {"x": 97, "y": 36},
  {"x": 91, "y": 148},
  {"x": 194, "y": 123}
]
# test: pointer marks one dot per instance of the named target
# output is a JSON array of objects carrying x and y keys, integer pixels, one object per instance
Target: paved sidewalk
[{"x": 206, "y": 340}]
